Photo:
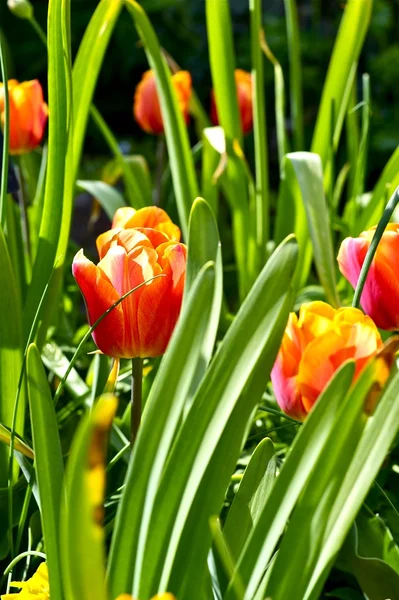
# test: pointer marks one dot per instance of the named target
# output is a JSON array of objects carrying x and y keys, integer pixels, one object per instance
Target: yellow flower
[{"x": 36, "y": 588}]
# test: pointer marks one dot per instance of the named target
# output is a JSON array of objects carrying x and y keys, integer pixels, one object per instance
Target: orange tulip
[
  {"x": 142, "y": 324},
  {"x": 244, "y": 98},
  {"x": 28, "y": 114},
  {"x": 314, "y": 346},
  {"x": 380, "y": 296},
  {"x": 146, "y": 108}
]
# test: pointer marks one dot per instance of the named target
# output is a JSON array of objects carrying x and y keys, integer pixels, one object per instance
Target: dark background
[{"x": 180, "y": 25}]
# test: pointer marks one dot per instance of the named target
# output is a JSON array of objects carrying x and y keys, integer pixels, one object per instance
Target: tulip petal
[{"x": 99, "y": 295}]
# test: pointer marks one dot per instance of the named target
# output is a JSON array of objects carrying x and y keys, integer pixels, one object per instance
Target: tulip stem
[
  {"x": 137, "y": 388},
  {"x": 382, "y": 224}
]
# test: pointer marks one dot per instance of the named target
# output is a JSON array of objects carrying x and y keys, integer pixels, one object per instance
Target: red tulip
[
  {"x": 142, "y": 324},
  {"x": 314, "y": 346},
  {"x": 146, "y": 108},
  {"x": 28, "y": 114},
  {"x": 380, "y": 296},
  {"x": 244, "y": 97}
]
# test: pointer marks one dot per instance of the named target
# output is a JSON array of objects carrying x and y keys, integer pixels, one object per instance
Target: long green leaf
[
  {"x": 294, "y": 52},
  {"x": 11, "y": 351},
  {"x": 81, "y": 526},
  {"x": 260, "y": 131},
  {"x": 48, "y": 464},
  {"x": 341, "y": 70},
  {"x": 181, "y": 162},
  {"x": 296, "y": 470},
  {"x": 134, "y": 191},
  {"x": 309, "y": 173},
  {"x": 162, "y": 416},
  {"x": 370, "y": 454},
  {"x": 303, "y": 539},
  {"x": 258, "y": 325},
  {"x": 87, "y": 66},
  {"x": 222, "y": 62},
  {"x": 251, "y": 496},
  {"x": 108, "y": 197},
  {"x": 386, "y": 184},
  {"x": 60, "y": 109}
]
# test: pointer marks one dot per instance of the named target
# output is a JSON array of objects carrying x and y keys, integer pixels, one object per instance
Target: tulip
[
  {"x": 380, "y": 296},
  {"x": 142, "y": 324},
  {"x": 146, "y": 108},
  {"x": 244, "y": 98},
  {"x": 150, "y": 217},
  {"x": 314, "y": 346},
  {"x": 28, "y": 114}
]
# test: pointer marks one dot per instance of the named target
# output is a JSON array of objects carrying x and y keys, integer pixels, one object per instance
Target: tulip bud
[
  {"x": 244, "y": 98},
  {"x": 22, "y": 9},
  {"x": 314, "y": 346},
  {"x": 28, "y": 114},
  {"x": 380, "y": 296},
  {"x": 146, "y": 108},
  {"x": 142, "y": 324}
]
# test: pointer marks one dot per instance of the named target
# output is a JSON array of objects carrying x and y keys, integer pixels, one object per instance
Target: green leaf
[
  {"x": 181, "y": 162},
  {"x": 234, "y": 179},
  {"x": 204, "y": 246},
  {"x": 370, "y": 454},
  {"x": 82, "y": 533},
  {"x": 385, "y": 186},
  {"x": 291, "y": 217},
  {"x": 294, "y": 474},
  {"x": 260, "y": 131},
  {"x": 52, "y": 221},
  {"x": 309, "y": 174},
  {"x": 340, "y": 74},
  {"x": 11, "y": 352},
  {"x": 294, "y": 52},
  {"x": 109, "y": 198},
  {"x": 162, "y": 415},
  {"x": 222, "y": 62},
  {"x": 303, "y": 540},
  {"x": 253, "y": 338},
  {"x": 87, "y": 66},
  {"x": 48, "y": 465},
  {"x": 362, "y": 556},
  {"x": 137, "y": 195},
  {"x": 251, "y": 496}
]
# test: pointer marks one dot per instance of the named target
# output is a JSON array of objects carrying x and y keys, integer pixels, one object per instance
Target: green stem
[
  {"x": 383, "y": 222},
  {"x": 6, "y": 137},
  {"x": 137, "y": 390},
  {"x": 160, "y": 160}
]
